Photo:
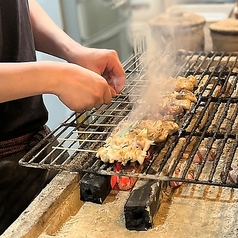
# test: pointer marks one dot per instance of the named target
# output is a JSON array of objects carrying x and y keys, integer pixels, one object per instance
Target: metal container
[
  {"x": 224, "y": 35},
  {"x": 178, "y": 30}
]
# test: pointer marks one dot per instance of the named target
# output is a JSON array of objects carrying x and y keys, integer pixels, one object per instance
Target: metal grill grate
[{"x": 75, "y": 141}]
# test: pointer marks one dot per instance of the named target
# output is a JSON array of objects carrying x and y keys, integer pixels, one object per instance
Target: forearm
[
  {"x": 19, "y": 80},
  {"x": 78, "y": 88},
  {"x": 49, "y": 38}
]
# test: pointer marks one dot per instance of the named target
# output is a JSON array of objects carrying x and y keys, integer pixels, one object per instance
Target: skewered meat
[
  {"x": 158, "y": 131},
  {"x": 184, "y": 94},
  {"x": 124, "y": 146},
  {"x": 183, "y": 84},
  {"x": 169, "y": 100},
  {"x": 171, "y": 103},
  {"x": 130, "y": 141},
  {"x": 181, "y": 99},
  {"x": 129, "y": 147},
  {"x": 188, "y": 83},
  {"x": 185, "y": 103}
]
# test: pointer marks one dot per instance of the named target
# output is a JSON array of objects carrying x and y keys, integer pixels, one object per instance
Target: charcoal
[
  {"x": 94, "y": 188},
  {"x": 142, "y": 205}
]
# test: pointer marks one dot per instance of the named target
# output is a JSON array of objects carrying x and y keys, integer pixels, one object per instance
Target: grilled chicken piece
[
  {"x": 158, "y": 131},
  {"x": 188, "y": 83},
  {"x": 171, "y": 126},
  {"x": 170, "y": 105},
  {"x": 183, "y": 83},
  {"x": 184, "y": 94},
  {"x": 185, "y": 103},
  {"x": 173, "y": 110},
  {"x": 133, "y": 144},
  {"x": 190, "y": 78}
]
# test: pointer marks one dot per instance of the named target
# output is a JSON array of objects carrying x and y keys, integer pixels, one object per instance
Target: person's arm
[
  {"x": 68, "y": 81},
  {"x": 78, "y": 84},
  {"x": 49, "y": 38}
]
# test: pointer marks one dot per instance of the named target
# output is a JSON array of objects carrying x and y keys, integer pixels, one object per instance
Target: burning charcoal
[
  {"x": 179, "y": 172},
  {"x": 94, "y": 188},
  {"x": 142, "y": 205},
  {"x": 232, "y": 176},
  {"x": 124, "y": 183},
  {"x": 202, "y": 153}
]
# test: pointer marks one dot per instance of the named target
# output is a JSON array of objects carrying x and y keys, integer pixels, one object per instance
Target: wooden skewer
[{"x": 121, "y": 95}]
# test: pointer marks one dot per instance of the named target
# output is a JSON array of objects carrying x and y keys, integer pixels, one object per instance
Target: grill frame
[{"x": 90, "y": 129}]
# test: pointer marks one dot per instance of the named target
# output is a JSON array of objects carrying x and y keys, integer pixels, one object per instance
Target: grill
[{"x": 76, "y": 140}]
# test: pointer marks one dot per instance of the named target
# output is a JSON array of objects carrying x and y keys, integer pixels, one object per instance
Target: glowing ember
[{"x": 122, "y": 182}]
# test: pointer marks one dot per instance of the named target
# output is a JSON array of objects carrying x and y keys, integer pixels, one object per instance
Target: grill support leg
[
  {"x": 142, "y": 205},
  {"x": 94, "y": 188}
]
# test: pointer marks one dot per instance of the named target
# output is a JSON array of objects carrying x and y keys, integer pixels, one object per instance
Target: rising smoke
[{"x": 158, "y": 36}]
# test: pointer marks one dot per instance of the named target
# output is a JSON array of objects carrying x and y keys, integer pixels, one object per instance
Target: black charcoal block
[
  {"x": 142, "y": 205},
  {"x": 94, "y": 188}
]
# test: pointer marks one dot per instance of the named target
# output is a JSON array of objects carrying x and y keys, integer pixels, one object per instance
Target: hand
[
  {"x": 81, "y": 89},
  {"x": 103, "y": 62}
]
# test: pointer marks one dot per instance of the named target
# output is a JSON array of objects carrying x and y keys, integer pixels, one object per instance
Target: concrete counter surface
[{"x": 191, "y": 210}]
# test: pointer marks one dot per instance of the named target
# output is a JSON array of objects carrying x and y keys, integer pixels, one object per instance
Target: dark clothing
[
  {"x": 21, "y": 116},
  {"x": 20, "y": 120},
  {"x": 19, "y": 185}
]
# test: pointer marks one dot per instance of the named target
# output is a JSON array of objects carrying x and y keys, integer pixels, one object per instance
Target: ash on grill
[{"x": 203, "y": 151}]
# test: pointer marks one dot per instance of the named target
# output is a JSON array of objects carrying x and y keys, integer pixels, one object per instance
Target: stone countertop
[{"x": 190, "y": 211}]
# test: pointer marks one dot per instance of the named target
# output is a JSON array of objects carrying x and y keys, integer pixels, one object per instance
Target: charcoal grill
[{"x": 76, "y": 140}]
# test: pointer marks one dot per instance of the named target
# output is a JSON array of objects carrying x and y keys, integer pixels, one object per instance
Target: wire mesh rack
[{"x": 208, "y": 131}]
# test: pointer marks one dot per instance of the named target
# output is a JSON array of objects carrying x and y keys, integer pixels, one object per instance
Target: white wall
[{"x": 58, "y": 112}]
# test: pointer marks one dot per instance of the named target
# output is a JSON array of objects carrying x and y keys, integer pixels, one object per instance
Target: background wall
[{"x": 57, "y": 110}]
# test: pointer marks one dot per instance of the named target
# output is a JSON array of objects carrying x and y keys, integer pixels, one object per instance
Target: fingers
[
  {"x": 114, "y": 73},
  {"x": 113, "y": 91},
  {"x": 79, "y": 95},
  {"x": 116, "y": 84},
  {"x": 97, "y": 104},
  {"x": 106, "y": 97}
]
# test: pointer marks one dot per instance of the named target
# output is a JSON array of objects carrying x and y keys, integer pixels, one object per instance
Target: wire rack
[{"x": 72, "y": 146}]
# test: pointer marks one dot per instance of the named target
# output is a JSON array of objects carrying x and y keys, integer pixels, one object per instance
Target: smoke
[
  {"x": 155, "y": 74},
  {"x": 159, "y": 36},
  {"x": 149, "y": 98}
]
